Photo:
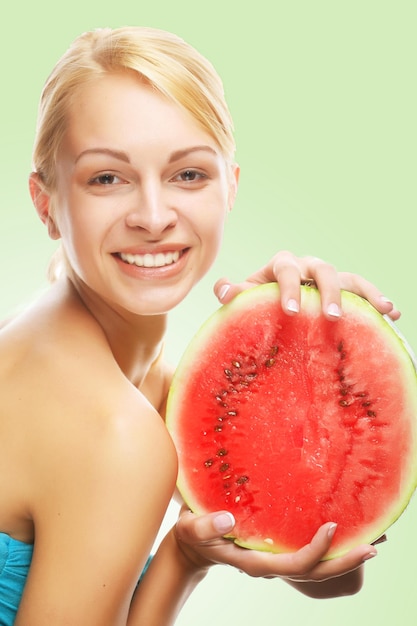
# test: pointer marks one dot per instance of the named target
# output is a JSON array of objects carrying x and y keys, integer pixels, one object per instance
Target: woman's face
[{"x": 142, "y": 195}]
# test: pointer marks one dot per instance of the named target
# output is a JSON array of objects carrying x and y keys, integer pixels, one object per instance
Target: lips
[{"x": 160, "y": 259}]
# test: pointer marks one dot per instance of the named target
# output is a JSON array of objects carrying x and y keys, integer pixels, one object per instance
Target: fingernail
[
  {"x": 223, "y": 291},
  {"x": 370, "y": 555},
  {"x": 224, "y": 522},
  {"x": 292, "y": 305},
  {"x": 331, "y": 531},
  {"x": 386, "y": 300},
  {"x": 333, "y": 310}
]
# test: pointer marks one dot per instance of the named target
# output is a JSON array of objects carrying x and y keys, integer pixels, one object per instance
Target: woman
[{"x": 134, "y": 172}]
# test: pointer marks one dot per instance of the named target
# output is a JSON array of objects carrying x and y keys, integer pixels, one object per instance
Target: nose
[{"x": 151, "y": 211}]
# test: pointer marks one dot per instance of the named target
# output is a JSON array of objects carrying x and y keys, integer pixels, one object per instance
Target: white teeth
[
  {"x": 151, "y": 260},
  {"x": 159, "y": 260}
]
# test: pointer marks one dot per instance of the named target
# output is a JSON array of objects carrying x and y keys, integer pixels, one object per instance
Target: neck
[{"x": 135, "y": 340}]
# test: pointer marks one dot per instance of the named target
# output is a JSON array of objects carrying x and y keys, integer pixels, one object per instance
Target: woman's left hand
[
  {"x": 291, "y": 271},
  {"x": 201, "y": 542}
]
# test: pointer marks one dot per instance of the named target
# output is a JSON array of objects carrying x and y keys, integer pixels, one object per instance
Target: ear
[
  {"x": 234, "y": 182},
  {"x": 43, "y": 204}
]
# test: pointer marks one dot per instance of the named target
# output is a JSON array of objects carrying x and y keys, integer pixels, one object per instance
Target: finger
[
  {"x": 362, "y": 287},
  {"x": 282, "y": 268},
  {"x": 333, "y": 568},
  {"x": 300, "y": 563},
  {"x": 289, "y": 271},
  {"x": 267, "y": 564},
  {"x": 225, "y": 291},
  {"x": 221, "y": 289},
  {"x": 290, "y": 298},
  {"x": 197, "y": 529},
  {"x": 326, "y": 279},
  {"x": 288, "y": 275}
]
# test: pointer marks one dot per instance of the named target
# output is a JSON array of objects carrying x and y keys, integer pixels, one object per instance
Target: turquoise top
[{"x": 15, "y": 559}]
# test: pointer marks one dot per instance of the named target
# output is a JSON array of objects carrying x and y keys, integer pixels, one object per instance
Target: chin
[{"x": 157, "y": 301}]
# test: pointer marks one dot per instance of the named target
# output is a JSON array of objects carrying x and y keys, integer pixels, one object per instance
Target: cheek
[
  {"x": 211, "y": 229},
  {"x": 80, "y": 237},
  {"x": 212, "y": 220}
]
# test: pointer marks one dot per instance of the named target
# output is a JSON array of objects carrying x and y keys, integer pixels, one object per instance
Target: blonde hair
[{"x": 162, "y": 59}]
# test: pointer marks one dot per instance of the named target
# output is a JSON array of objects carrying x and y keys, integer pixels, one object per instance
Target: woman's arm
[
  {"x": 187, "y": 552},
  {"x": 167, "y": 584}
]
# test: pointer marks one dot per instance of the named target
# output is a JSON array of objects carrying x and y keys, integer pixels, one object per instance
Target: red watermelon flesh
[{"x": 293, "y": 421}]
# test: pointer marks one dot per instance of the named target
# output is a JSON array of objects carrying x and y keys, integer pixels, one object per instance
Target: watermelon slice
[{"x": 289, "y": 422}]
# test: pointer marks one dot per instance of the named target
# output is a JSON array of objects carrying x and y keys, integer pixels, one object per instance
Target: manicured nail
[
  {"x": 333, "y": 310},
  {"x": 386, "y": 300},
  {"x": 223, "y": 291},
  {"x": 370, "y": 555},
  {"x": 292, "y": 305},
  {"x": 331, "y": 531},
  {"x": 224, "y": 522}
]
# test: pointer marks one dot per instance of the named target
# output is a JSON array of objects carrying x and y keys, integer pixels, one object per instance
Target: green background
[{"x": 324, "y": 100}]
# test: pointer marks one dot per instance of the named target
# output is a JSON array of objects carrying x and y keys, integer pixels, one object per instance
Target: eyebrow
[
  {"x": 179, "y": 154},
  {"x": 123, "y": 156},
  {"x": 117, "y": 154}
]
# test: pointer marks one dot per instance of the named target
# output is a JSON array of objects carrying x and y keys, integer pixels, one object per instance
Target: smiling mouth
[{"x": 161, "y": 259}]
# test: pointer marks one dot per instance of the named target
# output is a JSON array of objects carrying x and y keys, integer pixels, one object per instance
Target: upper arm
[{"x": 101, "y": 494}]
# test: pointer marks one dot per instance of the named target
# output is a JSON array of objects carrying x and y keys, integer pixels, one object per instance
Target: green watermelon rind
[{"x": 310, "y": 301}]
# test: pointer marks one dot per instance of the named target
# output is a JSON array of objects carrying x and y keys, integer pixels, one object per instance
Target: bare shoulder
[
  {"x": 81, "y": 413},
  {"x": 60, "y": 382},
  {"x": 101, "y": 437}
]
